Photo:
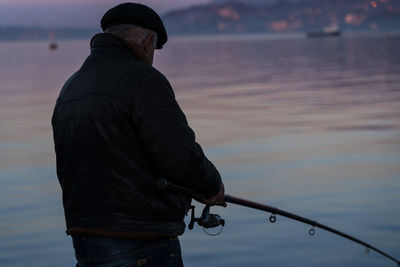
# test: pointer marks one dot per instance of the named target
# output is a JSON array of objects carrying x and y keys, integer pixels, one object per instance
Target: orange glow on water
[{"x": 374, "y": 4}]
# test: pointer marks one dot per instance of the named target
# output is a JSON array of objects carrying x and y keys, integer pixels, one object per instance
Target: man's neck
[{"x": 134, "y": 48}]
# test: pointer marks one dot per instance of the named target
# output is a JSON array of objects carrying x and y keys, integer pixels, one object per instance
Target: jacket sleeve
[{"x": 168, "y": 140}]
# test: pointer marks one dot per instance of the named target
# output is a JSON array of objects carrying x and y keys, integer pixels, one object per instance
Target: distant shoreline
[
  {"x": 225, "y": 36},
  {"x": 16, "y": 33}
]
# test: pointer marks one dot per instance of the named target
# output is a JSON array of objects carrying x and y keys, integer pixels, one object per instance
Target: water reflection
[{"x": 309, "y": 125}]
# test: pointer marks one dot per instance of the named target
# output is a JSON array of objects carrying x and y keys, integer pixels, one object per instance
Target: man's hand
[{"x": 216, "y": 200}]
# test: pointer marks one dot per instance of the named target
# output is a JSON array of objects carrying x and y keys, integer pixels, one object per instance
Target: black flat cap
[{"x": 136, "y": 14}]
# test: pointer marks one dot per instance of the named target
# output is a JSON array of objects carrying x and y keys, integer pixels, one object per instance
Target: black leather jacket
[{"x": 117, "y": 130}]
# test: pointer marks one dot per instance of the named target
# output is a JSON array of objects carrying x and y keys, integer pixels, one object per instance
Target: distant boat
[
  {"x": 332, "y": 31},
  {"x": 53, "y": 46}
]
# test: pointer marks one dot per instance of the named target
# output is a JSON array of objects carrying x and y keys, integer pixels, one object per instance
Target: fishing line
[{"x": 208, "y": 220}]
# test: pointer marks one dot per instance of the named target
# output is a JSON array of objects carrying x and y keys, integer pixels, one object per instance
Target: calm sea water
[{"x": 311, "y": 126}]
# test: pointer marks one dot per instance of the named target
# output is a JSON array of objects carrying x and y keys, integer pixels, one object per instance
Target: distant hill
[{"x": 252, "y": 16}]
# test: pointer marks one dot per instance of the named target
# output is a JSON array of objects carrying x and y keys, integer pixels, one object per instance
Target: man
[{"x": 117, "y": 130}]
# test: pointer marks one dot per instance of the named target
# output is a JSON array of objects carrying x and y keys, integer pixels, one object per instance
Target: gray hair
[{"x": 132, "y": 33}]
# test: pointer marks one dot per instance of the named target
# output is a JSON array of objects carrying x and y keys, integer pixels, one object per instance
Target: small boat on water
[
  {"x": 331, "y": 31},
  {"x": 53, "y": 46}
]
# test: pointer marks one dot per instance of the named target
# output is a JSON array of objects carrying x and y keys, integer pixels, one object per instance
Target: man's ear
[{"x": 149, "y": 42}]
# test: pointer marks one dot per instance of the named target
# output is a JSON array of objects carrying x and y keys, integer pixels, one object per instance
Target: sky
[{"x": 76, "y": 13}]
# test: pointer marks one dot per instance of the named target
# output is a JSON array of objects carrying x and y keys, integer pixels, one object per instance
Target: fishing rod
[{"x": 208, "y": 220}]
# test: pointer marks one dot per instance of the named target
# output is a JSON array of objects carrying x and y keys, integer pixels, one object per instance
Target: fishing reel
[{"x": 206, "y": 220}]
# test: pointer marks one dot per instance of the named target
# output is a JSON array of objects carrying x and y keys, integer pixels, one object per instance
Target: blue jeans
[{"x": 107, "y": 252}]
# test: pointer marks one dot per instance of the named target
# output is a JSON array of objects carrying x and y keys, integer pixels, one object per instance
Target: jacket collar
[{"x": 116, "y": 42}]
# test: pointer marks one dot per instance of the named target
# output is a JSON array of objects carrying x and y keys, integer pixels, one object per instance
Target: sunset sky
[{"x": 81, "y": 13}]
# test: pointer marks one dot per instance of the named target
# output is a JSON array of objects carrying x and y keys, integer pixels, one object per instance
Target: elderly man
[{"x": 117, "y": 130}]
